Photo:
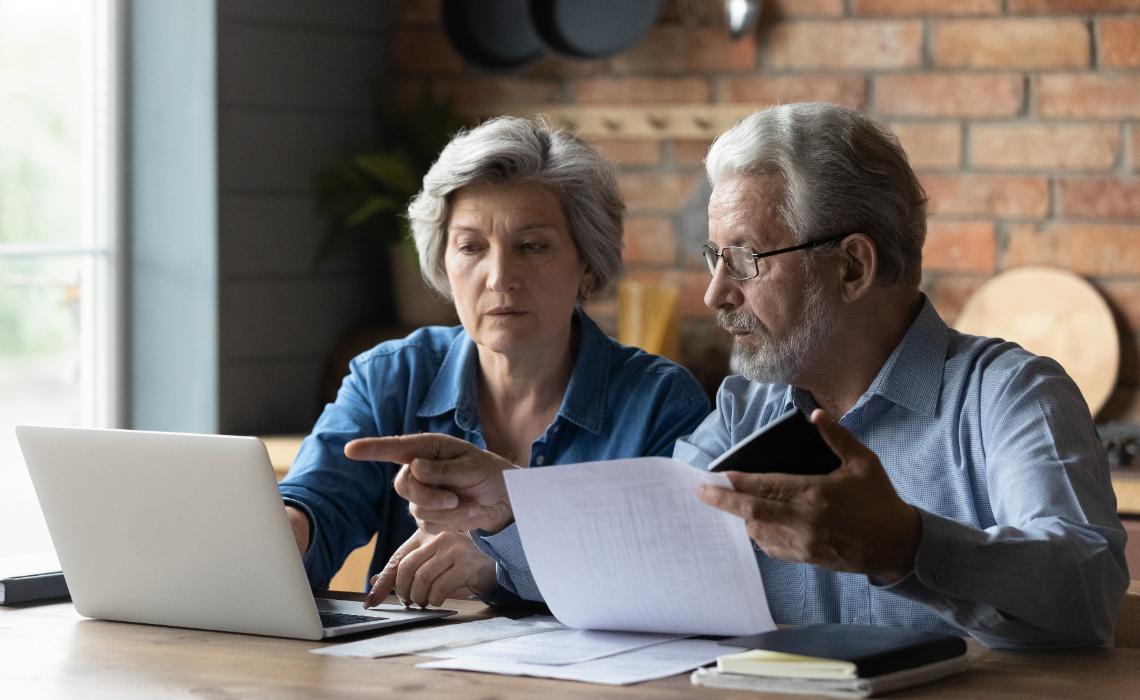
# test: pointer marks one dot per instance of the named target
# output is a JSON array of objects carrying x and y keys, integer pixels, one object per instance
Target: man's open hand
[{"x": 849, "y": 520}]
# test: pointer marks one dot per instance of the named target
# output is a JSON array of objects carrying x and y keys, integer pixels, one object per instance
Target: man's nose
[{"x": 723, "y": 291}]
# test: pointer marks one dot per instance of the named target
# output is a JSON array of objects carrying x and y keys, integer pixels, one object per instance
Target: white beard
[{"x": 761, "y": 358}]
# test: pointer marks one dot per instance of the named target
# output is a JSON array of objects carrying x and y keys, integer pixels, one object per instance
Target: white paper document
[
  {"x": 441, "y": 637},
  {"x": 557, "y": 647},
  {"x": 649, "y": 663},
  {"x": 627, "y": 545}
]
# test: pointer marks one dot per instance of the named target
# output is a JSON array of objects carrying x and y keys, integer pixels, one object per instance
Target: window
[{"x": 59, "y": 234}]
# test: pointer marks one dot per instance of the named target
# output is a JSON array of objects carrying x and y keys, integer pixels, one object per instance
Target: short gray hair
[
  {"x": 507, "y": 150},
  {"x": 842, "y": 172}
]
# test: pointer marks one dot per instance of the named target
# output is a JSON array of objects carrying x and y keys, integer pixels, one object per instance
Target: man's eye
[{"x": 533, "y": 246}]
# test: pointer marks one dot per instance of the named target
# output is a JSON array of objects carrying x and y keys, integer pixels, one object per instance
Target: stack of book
[
  {"x": 836, "y": 660},
  {"x": 31, "y": 579}
]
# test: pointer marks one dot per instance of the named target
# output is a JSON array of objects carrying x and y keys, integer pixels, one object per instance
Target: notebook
[
  {"x": 836, "y": 660},
  {"x": 31, "y": 578},
  {"x": 182, "y": 530},
  {"x": 829, "y": 651}
]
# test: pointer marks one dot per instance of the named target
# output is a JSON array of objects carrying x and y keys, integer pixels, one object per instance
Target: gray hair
[
  {"x": 842, "y": 172},
  {"x": 507, "y": 150}
]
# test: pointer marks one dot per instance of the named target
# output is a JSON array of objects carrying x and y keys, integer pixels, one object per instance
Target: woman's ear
[
  {"x": 588, "y": 285},
  {"x": 860, "y": 264}
]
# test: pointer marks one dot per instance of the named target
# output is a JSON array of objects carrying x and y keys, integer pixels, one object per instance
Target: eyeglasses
[{"x": 741, "y": 260}]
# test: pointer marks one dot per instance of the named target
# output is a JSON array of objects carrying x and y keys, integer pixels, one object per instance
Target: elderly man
[{"x": 973, "y": 494}]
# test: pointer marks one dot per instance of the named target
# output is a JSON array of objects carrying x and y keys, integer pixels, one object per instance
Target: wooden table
[{"x": 50, "y": 651}]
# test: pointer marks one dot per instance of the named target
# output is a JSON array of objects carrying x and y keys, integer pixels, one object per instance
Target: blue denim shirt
[
  {"x": 620, "y": 402},
  {"x": 1021, "y": 545}
]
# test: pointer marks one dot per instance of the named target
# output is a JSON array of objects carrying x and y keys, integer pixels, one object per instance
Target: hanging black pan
[
  {"x": 493, "y": 34},
  {"x": 593, "y": 28}
]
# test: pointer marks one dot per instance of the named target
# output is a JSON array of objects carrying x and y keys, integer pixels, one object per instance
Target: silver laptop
[{"x": 182, "y": 530}]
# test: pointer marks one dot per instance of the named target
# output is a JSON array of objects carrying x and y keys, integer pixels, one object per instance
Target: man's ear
[{"x": 860, "y": 263}]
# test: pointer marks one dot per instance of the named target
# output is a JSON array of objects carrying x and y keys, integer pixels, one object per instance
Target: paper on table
[
  {"x": 657, "y": 661},
  {"x": 627, "y": 545},
  {"x": 558, "y": 647},
  {"x": 441, "y": 637}
]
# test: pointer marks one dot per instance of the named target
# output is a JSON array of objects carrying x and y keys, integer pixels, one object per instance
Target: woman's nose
[{"x": 503, "y": 274}]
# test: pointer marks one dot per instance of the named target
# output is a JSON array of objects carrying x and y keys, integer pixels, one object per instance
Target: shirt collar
[
  {"x": 585, "y": 399},
  {"x": 454, "y": 386},
  {"x": 912, "y": 375}
]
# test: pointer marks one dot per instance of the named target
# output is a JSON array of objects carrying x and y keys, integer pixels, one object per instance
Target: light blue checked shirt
[{"x": 1021, "y": 545}]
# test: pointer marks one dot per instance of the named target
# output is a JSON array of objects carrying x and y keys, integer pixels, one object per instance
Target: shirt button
[
  {"x": 940, "y": 578},
  {"x": 539, "y": 460},
  {"x": 554, "y": 429}
]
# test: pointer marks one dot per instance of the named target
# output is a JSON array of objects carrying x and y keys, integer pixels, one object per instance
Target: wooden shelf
[{"x": 651, "y": 122}]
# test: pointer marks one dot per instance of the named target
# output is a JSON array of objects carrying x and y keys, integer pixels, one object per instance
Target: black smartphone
[{"x": 788, "y": 445}]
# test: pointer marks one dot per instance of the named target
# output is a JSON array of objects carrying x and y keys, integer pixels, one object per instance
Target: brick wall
[{"x": 1022, "y": 118}]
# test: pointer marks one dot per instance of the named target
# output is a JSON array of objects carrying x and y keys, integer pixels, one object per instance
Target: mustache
[{"x": 738, "y": 318}]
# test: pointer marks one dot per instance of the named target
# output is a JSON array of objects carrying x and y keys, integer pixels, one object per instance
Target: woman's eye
[
  {"x": 467, "y": 248},
  {"x": 533, "y": 246}
]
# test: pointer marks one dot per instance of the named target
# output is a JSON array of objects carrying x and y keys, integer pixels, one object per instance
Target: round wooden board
[{"x": 1052, "y": 312}]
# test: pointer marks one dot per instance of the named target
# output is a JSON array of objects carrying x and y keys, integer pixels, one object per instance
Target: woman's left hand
[{"x": 428, "y": 569}]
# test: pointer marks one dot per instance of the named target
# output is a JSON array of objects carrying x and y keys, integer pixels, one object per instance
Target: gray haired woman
[{"x": 516, "y": 223}]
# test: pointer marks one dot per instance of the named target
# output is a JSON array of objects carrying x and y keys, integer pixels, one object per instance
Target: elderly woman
[{"x": 517, "y": 223}]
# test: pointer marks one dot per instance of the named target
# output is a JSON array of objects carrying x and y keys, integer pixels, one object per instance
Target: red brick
[
  {"x": 843, "y": 45},
  {"x": 629, "y": 151},
  {"x": 1096, "y": 250},
  {"x": 954, "y": 95},
  {"x": 1087, "y": 95},
  {"x": 1010, "y": 43},
  {"x": 930, "y": 145},
  {"x": 775, "y": 9},
  {"x": 1044, "y": 146},
  {"x": 927, "y": 8},
  {"x": 1057, "y": 7},
  {"x": 690, "y": 153},
  {"x": 950, "y": 292},
  {"x": 423, "y": 51},
  {"x": 1099, "y": 198},
  {"x": 492, "y": 95},
  {"x": 679, "y": 49},
  {"x": 555, "y": 66},
  {"x": 1118, "y": 42},
  {"x": 987, "y": 195},
  {"x": 640, "y": 90},
  {"x": 961, "y": 246},
  {"x": 649, "y": 240},
  {"x": 1134, "y": 137},
  {"x": 656, "y": 192},
  {"x": 765, "y": 90}
]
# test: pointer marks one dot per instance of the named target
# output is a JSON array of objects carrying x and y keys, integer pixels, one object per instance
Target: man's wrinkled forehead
[{"x": 745, "y": 210}]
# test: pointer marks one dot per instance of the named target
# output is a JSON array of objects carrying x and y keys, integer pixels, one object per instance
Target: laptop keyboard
[{"x": 335, "y": 619}]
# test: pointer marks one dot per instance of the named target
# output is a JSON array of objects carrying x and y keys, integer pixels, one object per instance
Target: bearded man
[{"x": 973, "y": 494}]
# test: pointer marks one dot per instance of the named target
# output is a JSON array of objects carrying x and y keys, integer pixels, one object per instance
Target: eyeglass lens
[{"x": 739, "y": 261}]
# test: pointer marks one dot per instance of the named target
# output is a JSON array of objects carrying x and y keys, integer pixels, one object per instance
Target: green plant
[{"x": 363, "y": 194}]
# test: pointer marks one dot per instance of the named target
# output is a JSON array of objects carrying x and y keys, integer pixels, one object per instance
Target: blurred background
[{"x": 177, "y": 243}]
